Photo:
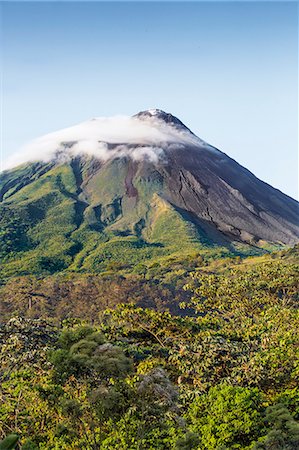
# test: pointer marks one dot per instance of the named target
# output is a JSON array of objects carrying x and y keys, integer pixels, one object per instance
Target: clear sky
[{"x": 228, "y": 70}]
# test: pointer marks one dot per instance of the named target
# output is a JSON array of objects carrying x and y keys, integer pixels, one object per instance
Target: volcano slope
[{"x": 130, "y": 194}]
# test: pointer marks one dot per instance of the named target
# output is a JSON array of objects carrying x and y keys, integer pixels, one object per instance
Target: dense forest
[{"x": 202, "y": 354}]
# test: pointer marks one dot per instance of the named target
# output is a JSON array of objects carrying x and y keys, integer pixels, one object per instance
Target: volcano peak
[{"x": 163, "y": 116}]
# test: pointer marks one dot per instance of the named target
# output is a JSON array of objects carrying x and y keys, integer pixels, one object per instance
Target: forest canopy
[{"x": 222, "y": 373}]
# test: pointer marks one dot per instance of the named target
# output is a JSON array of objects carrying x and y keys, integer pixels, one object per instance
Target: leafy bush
[{"x": 226, "y": 416}]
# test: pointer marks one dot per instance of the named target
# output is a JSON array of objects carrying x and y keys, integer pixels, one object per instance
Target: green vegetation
[
  {"x": 220, "y": 373},
  {"x": 9, "y": 442},
  {"x": 44, "y": 217}
]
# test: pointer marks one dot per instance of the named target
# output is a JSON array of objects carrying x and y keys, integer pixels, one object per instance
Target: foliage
[
  {"x": 226, "y": 416},
  {"x": 221, "y": 375},
  {"x": 13, "y": 228},
  {"x": 187, "y": 442},
  {"x": 84, "y": 352},
  {"x": 10, "y": 442},
  {"x": 284, "y": 432}
]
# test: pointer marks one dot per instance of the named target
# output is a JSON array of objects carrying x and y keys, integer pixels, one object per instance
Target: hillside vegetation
[
  {"x": 78, "y": 217},
  {"x": 86, "y": 367}
]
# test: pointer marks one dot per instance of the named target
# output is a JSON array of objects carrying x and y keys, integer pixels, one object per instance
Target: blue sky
[{"x": 228, "y": 70}]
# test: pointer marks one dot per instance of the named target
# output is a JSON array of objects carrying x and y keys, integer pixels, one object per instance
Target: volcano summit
[{"x": 134, "y": 189}]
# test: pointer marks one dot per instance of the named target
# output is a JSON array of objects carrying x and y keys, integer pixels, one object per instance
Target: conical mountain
[{"x": 125, "y": 191}]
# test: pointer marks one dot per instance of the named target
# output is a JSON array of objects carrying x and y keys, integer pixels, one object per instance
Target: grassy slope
[{"x": 98, "y": 231}]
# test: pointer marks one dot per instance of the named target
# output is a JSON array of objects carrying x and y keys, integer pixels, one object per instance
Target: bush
[{"x": 226, "y": 416}]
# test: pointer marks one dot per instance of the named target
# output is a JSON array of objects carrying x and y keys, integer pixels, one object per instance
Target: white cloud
[{"x": 133, "y": 136}]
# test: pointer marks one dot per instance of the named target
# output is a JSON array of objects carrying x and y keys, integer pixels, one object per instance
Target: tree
[
  {"x": 227, "y": 416},
  {"x": 84, "y": 352},
  {"x": 284, "y": 434}
]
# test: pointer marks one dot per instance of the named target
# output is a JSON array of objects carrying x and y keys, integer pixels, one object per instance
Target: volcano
[{"x": 128, "y": 191}]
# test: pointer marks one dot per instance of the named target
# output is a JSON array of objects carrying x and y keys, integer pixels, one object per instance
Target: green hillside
[{"x": 48, "y": 224}]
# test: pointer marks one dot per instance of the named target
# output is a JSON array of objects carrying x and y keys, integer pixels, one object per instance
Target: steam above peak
[{"x": 145, "y": 135}]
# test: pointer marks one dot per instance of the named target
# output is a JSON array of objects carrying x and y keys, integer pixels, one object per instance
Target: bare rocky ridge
[{"x": 223, "y": 194}]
